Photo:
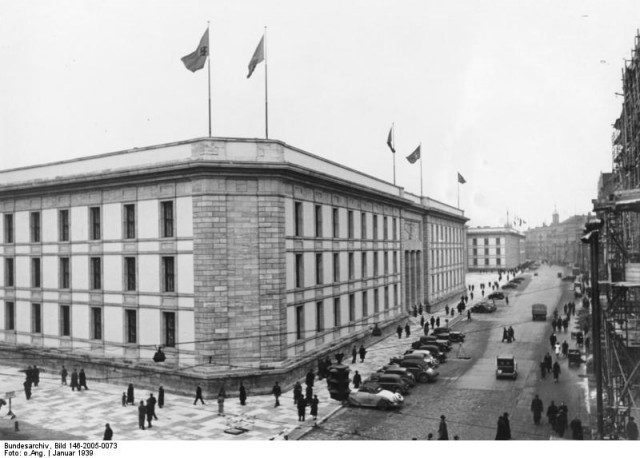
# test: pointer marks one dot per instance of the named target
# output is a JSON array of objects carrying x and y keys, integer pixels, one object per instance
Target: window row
[
  {"x": 474, "y": 241},
  {"x": 487, "y": 262},
  {"x": 299, "y": 222},
  {"x": 443, "y": 282},
  {"x": 445, "y": 234},
  {"x": 446, "y": 257},
  {"x": 167, "y": 223},
  {"x": 487, "y": 252},
  {"x": 335, "y": 317},
  {"x": 168, "y": 273},
  {"x": 96, "y": 323},
  {"x": 299, "y": 267}
]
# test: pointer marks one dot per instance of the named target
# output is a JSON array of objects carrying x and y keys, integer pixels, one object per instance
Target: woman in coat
[
  {"x": 314, "y": 406},
  {"x": 130, "y": 399}
]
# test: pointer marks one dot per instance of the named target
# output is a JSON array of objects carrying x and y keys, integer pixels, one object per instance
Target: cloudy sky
[{"x": 517, "y": 96}]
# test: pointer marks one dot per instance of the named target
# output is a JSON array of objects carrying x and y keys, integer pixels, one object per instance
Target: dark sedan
[
  {"x": 483, "y": 307},
  {"x": 497, "y": 295}
]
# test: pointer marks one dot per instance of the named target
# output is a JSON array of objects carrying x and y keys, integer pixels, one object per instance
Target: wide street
[{"x": 468, "y": 393}]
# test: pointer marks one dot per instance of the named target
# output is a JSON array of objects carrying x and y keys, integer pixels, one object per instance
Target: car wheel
[
  {"x": 383, "y": 405},
  {"x": 423, "y": 378}
]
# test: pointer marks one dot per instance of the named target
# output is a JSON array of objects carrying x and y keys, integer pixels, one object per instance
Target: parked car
[
  {"x": 391, "y": 382},
  {"x": 415, "y": 356},
  {"x": 375, "y": 397},
  {"x": 506, "y": 366},
  {"x": 497, "y": 295},
  {"x": 483, "y": 307},
  {"x": 420, "y": 370},
  {"x": 439, "y": 339},
  {"x": 428, "y": 357},
  {"x": 517, "y": 280},
  {"x": 434, "y": 350},
  {"x": 398, "y": 370},
  {"x": 510, "y": 286},
  {"x": 447, "y": 334}
]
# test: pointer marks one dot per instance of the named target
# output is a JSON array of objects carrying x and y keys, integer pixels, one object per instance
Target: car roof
[{"x": 505, "y": 357}]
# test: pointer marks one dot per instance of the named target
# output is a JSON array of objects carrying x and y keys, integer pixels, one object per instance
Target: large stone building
[
  {"x": 230, "y": 254},
  {"x": 494, "y": 248}
]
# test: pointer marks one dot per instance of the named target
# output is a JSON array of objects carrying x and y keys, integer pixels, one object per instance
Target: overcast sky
[{"x": 517, "y": 96}]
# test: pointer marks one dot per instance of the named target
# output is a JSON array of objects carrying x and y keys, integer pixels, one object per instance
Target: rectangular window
[
  {"x": 130, "y": 221},
  {"x": 498, "y": 252},
  {"x": 475, "y": 241},
  {"x": 130, "y": 273},
  {"x": 36, "y": 280},
  {"x": 486, "y": 261},
  {"x": 386, "y": 297},
  {"x": 364, "y": 264},
  {"x": 395, "y": 295},
  {"x": 498, "y": 261},
  {"x": 498, "y": 241},
  {"x": 319, "y": 316},
  {"x": 65, "y": 320},
  {"x": 385, "y": 228},
  {"x": 336, "y": 267},
  {"x": 64, "y": 273},
  {"x": 486, "y": 251},
  {"x": 475, "y": 261},
  {"x": 375, "y": 263},
  {"x": 9, "y": 272},
  {"x": 96, "y": 323},
  {"x": 352, "y": 267},
  {"x": 395, "y": 262},
  {"x": 486, "y": 241},
  {"x": 376, "y": 301},
  {"x": 168, "y": 274},
  {"x": 363, "y": 225},
  {"x": 9, "y": 316},
  {"x": 336, "y": 312},
  {"x": 35, "y": 227},
  {"x": 94, "y": 223},
  {"x": 350, "y": 223},
  {"x": 96, "y": 273},
  {"x": 167, "y": 218},
  {"x": 318, "y": 220},
  {"x": 365, "y": 304},
  {"x": 131, "y": 323},
  {"x": 352, "y": 308},
  {"x": 375, "y": 227},
  {"x": 297, "y": 219},
  {"x": 299, "y": 322},
  {"x": 36, "y": 319},
  {"x": 319, "y": 269},
  {"x": 336, "y": 223},
  {"x": 8, "y": 228},
  {"x": 386, "y": 263},
  {"x": 299, "y": 271},
  {"x": 63, "y": 225},
  {"x": 475, "y": 251},
  {"x": 169, "y": 329}
]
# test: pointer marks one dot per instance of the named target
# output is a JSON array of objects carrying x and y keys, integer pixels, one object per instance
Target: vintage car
[
  {"x": 401, "y": 371},
  {"x": 438, "y": 339},
  {"x": 375, "y": 397},
  {"x": 420, "y": 370},
  {"x": 506, "y": 367},
  {"x": 433, "y": 349},
  {"x": 426, "y": 354},
  {"x": 510, "y": 286},
  {"x": 539, "y": 312},
  {"x": 483, "y": 307},
  {"x": 391, "y": 382},
  {"x": 447, "y": 334},
  {"x": 497, "y": 295},
  {"x": 517, "y": 280}
]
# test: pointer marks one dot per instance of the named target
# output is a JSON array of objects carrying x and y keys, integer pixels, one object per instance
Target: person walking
[
  {"x": 198, "y": 395},
  {"x": 432, "y": 321},
  {"x": 438, "y": 321},
  {"x": 505, "y": 335},
  {"x": 556, "y": 371},
  {"x": 421, "y": 321},
  {"x": 148, "y": 413},
  {"x": 443, "y": 434},
  {"x": 543, "y": 369},
  {"x": 27, "y": 389},
  {"x": 36, "y": 375},
  {"x": 310, "y": 378},
  {"x": 631, "y": 430},
  {"x": 446, "y": 309},
  {"x": 82, "y": 380},
  {"x": 576, "y": 429},
  {"x": 151, "y": 406},
  {"x": 124, "y": 399},
  {"x": 561, "y": 422},
  {"x": 363, "y": 353},
  {"x": 407, "y": 330},
  {"x": 130, "y": 399},
  {"x": 565, "y": 349},
  {"x": 357, "y": 380},
  {"x": 512, "y": 335},
  {"x": 399, "y": 331},
  {"x": 558, "y": 350},
  {"x": 142, "y": 413},
  {"x": 309, "y": 394},
  {"x": 537, "y": 408},
  {"x": 302, "y": 407},
  {"x": 297, "y": 392},
  {"x": 504, "y": 428},
  {"x": 108, "y": 433},
  {"x": 548, "y": 361},
  {"x": 469, "y": 315},
  {"x": 221, "y": 395},
  {"x": 161, "y": 397},
  {"x": 354, "y": 354},
  {"x": 63, "y": 375},
  {"x": 243, "y": 394},
  {"x": 74, "y": 380},
  {"x": 552, "y": 340},
  {"x": 552, "y": 412},
  {"x": 277, "y": 391},
  {"x": 506, "y": 300},
  {"x": 314, "y": 407},
  {"x": 426, "y": 328}
]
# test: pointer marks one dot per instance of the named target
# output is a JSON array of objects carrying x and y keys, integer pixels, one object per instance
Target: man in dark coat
[
  {"x": 561, "y": 422},
  {"x": 565, "y": 348},
  {"x": 74, "y": 380},
  {"x": 432, "y": 321},
  {"x": 108, "y": 433},
  {"x": 243, "y": 394},
  {"x": 399, "y": 331},
  {"x": 437, "y": 322},
  {"x": 277, "y": 392},
  {"x": 357, "y": 380},
  {"x": 426, "y": 328},
  {"x": 83, "y": 380},
  {"x": 552, "y": 340},
  {"x": 552, "y": 413},
  {"x": 142, "y": 413},
  {"x": 160, "y": 397},
  {"x": 504, "y": 428},
  {"x": 310, "y": 377},
  {"x": 27, "y": 389},
  {"x": 302, "y": 407},
  {"x": 63, "y": 375},
  {"x": 363, "y": 353},
  {"x": 512, "y": 335},
  {"x": 505, "y": 335},
  {"x": 548, "y": 361},
  {"x": 543, "y": 369},
  {"x": 556, "y": 371},
  {"x": 130, "y": 399},
  {"x": 354, "y": 354},
  {"x": 443, "y": 433},
  {"x": 36, "y": 375},
  {"x": 537, "y": 408},
  {"x": 297, "y": 392},
  {"x": 151, "y": 407},
  {"x": 198, "y": 395},
  {"x": 576, "y": 429},
  {"x": 422, "y": 321},
  {"x": 407, "y": 330}
]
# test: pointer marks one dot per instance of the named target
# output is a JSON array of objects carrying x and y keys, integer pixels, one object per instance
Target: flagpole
[
  {"x": 458, "y": 193},
  {"x": 209, "y": 80},
  {"x": 421, "y": 194},
  {"x": 266, "y": 96},
  {"x": 393, "y": 142}
]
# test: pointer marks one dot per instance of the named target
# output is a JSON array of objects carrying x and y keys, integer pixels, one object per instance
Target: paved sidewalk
[{"x": 83, "y": 414}]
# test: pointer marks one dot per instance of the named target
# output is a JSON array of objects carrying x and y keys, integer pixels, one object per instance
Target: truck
[{"x": 539, "y": 311}]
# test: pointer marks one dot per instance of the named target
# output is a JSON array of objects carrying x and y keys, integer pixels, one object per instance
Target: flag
[
  {"x": 258, "y": 56},
  {"x": 195, "y": 61},
  {"x": 390, "y": 140},
  {"x": 413, "y": 157},
  {"x": 461, "y": 179}
]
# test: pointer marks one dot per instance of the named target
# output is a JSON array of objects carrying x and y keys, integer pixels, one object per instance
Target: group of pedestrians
[
  {"x": 547, "y": 366},
  {"x": 355, "y": 352},
  {"x": 32, "y": 378},
  {"x": 557, "y": 417},
  {"x": 508, "y": 334},
  {"x": 300, "y": 401}
]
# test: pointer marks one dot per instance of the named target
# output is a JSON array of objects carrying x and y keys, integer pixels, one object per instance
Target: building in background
[
  {"x": 231, "y": 255},
  {"x": 494, "y": 248}
]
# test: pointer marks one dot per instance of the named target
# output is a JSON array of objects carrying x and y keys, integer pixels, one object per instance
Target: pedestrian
[
  {"x": 277, "y": 391},
  {"x": 142, "y": 413},
  {"x": 453, "y": 313},
  {"x": 108, "y": 433},
  {"x": 399, "y": 331},
  {"x": 426, "y": 328},
  {"x": 565, "y": 324},
  {"x": 432, "y": 321},
  {"x": 221, "y": 395},
  {"x": 149, "y": 413},
  {"x": 363, "y": 353},
  {"x": 151, "y": 406},
  {"x": 357, "y": 380},
  {"x": 552, "y": 340},
  {"x": 437, "y": 322},
  {"x": 27, "y": 389},
  {"x": 576, "y": 429},
  {"x": 561, "y": 422},
  {"x": 548, "y": 362},
  {"x": 124, "y": 399},
  {"x": 297, "y": 392},
  {"x": 443, "y": 434},
  {"x": 29, "y": 374},
  {"x": 482, "y": 293},
  {"x": 36, "y": 375},
  {"x": 506, "y": 300},
  {"x": 321, "y": 369},
  {"x": 512, "y": 335},
  {"x": 83, "y": 380},
  {"x": 537, "y": 408},
  {"x": 407, "y": 330},
  {"x": 471, "y": 295},
  {"x": 420, "y": 309},
  {"x": 504, "y": 428},
  {"x": 469, "y": 314},
  {"x": 421, "y": 321},
  {"x": 565, "y": 348},
  {"x": 446, "y": 309},
  {"x": 309, "y": 394},
  {"x": 302, "y": 407},
  {"x": 558, "y": 350},
  {"x": 314, "y": 407},
  {"x": 161, "y": 397},
  {"x": 130, "y": 399},
  {"x": 74, "y": 380},
  {"x": 543, "y": 369},
  {"x": 632, "y": 430},
  {"x": 354, "y": 354},
  {"x": 198, "y": 395},
  {"x": 63, "y": 375},
  {"x": 552, "y": 412},
  {"x": 505, "y": 335},
  {"x": 310, "y": 378},
  {"x": 243, "y": 394}
]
